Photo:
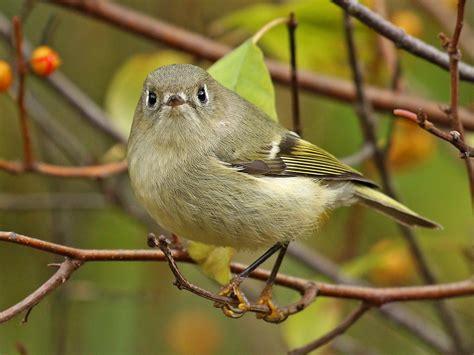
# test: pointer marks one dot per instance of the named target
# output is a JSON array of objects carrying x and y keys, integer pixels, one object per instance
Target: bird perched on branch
[{"x": 211, "y": 167}]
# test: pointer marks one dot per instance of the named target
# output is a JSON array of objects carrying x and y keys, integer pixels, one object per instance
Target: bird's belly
[{"x": 222, "y": 206}]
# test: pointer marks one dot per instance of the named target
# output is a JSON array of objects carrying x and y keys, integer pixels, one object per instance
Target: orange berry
[
  {"x": 6, "y": 76},
  {"x": 44, "y": 61}
]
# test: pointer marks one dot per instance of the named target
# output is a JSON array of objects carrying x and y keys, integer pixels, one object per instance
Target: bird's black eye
[
  {"x": 151, "y": 98},
  {"x": 202, "y": 94}
]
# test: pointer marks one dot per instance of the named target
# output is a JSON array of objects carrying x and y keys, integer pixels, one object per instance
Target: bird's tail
[{"x": 387, "y": 205}]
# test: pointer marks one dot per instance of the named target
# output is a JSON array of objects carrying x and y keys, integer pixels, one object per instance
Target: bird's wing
[{"x": 293, "y": 156}]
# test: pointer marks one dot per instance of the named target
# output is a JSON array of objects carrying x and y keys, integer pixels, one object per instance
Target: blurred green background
[{"x": 127, "y": 308}]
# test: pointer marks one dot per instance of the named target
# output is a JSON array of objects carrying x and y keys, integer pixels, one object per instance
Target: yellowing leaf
[
  {"x": 316, "y": 320},
  {"x": 410, "y": 145},
  {"x": 388, "y": 263},
  {"x": 244, "y": 71},
  {"x": 409, "y": 21},
  {"x": 126, "y": 85},
  {"x": 214, "y": 261},
  {"x": 395, "y": 266}
]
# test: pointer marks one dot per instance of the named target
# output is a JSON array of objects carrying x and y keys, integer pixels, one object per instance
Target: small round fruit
[
  {"x": 44, "y": 61},
  {"x": 6, "y": 76}
]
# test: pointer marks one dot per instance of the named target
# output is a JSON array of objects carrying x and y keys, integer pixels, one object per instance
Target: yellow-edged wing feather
[{"x": 293, "y": 156}]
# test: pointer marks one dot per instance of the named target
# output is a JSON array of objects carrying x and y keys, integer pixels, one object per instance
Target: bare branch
[
  {"x": 91, "y": 171},
  {"x": 339, "y": 330},
  {"x": 22, "y": 69},
  {"x": 60, "y": 276},
  {"x": 202, "y": 47},
  {"x": 402, "y": 39},
  {"x": 395, "y": 313},
  {"x": 295, "y": 99},
  {"x": 370, "y": 295},
  {"x": 454, "y": 68},
  {"x": 452, "y": 137},
  {"x": 90, "y": 111},
  {"x": 444, "y": 14},
  {"x": 367, "y": 120}
]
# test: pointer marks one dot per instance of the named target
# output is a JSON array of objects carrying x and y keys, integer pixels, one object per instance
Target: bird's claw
[
  {"x": 232, "y": 289},
  {"x": 275, "y": 314}
]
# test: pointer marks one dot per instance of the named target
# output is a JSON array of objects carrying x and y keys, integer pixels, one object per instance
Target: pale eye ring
[
  {"x": 202, "y": 94},
  {"x": 151, "y": 99}
]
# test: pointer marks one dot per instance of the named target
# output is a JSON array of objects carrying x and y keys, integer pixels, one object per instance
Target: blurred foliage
[
  {"x": 126, "y": 85},
  {"x": 387, "y": 263},
  {"x": 124, "y": 308},
  {"x": 317, "y": 23},
  {"x": 316, "y": 320}
]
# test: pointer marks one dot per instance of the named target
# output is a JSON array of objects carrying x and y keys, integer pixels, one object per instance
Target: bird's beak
[{"x": 175, "y": 100}]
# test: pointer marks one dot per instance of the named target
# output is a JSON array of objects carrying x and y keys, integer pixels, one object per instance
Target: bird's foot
[
  {"x": 275, "y": 314},
  {"x": 232, "y": 289}
]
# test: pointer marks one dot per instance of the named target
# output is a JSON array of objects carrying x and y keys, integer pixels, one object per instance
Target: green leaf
[
  {"x": 319, "y": 39},
  {"x": 214, "y": 261},
  {"x": 316, "y": 320},
  {"x": 244, "y": 71},
  {"x": 126, "y": 85}
]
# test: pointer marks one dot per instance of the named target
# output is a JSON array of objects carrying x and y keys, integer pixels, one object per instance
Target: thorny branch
[
  {"x": 367, "y": 119},
  {"x": 76, "y": 257}
]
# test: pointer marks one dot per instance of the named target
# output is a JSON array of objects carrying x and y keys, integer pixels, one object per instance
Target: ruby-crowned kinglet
[{"x": 212, "y": 167}]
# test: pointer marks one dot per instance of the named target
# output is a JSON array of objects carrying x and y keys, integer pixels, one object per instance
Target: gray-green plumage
[{"x": 210, "y": 166}]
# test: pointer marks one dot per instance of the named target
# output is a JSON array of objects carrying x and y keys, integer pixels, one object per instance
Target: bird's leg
[
  {"x": 275, "y": 315},
  {"x": 233, "y": 287}
]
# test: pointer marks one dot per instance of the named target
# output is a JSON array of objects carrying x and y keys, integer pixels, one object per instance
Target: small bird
[{"x": 211, "y": 167}]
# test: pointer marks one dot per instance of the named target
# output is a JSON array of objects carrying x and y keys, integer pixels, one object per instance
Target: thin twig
[
  {"x": 22, "y": 69},
  {"x": 373, "y": 296},
  {"x": 397, "y": 314},
  {"x": 452, "y": 46},
  {"x": 60, "y": 276},
  {"x": 443, "y": 13},
  {"x": 366, "y": 117},
  {"x": 90, "y": 111},
  {"x": 295, "y": 99},
  {"x": 91, "y": 171},
  {"x": 202, "y": 47},
  {"x": 340, "y": 329},
  {"x": 453, "y": 137},
  {"x": 400, "y": 38},
  {"x": 70, "y": 146},
  {"x": 309, "y": 290}
]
